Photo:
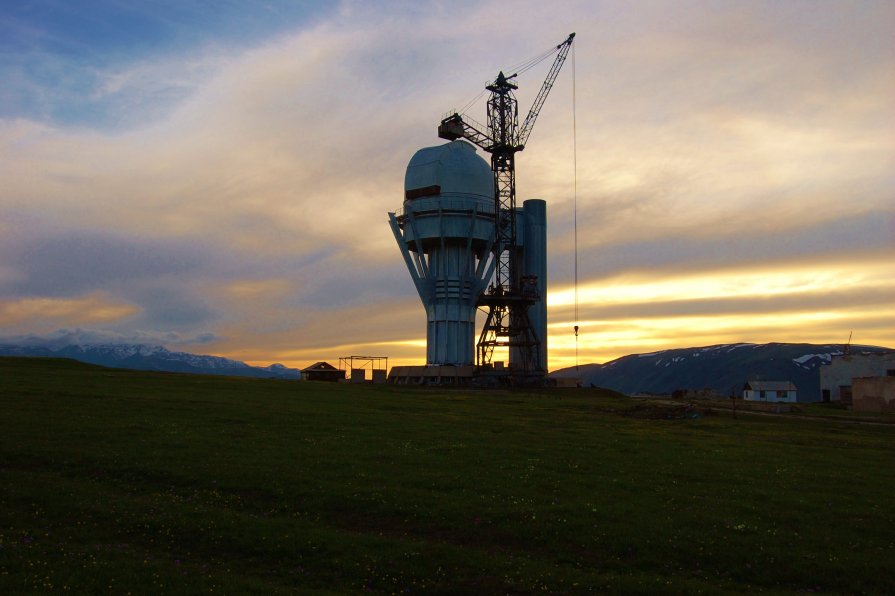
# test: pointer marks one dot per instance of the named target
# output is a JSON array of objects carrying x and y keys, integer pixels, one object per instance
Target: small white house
[{"x": 773, "y": 391}]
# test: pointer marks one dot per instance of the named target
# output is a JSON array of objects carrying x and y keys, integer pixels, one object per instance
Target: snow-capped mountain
[
  {"x": 151, "y": 357},
  {"x": 723, "y": 368}
]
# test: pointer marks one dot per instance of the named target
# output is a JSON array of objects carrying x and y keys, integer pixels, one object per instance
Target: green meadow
[{"x": 129, "y": 482}]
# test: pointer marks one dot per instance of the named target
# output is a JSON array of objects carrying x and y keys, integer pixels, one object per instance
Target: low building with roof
[
  {"x": 836, "y": 378},
  {"x": 774, "y": 391},
  {"x": 873, "y": 394},
  {"x": 322, "y": 371}
]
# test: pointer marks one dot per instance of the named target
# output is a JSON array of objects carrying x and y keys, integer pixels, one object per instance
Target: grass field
[{"x": 121, "y": 481}]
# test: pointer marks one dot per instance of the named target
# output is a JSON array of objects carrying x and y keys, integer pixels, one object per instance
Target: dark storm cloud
[
  {"x": 693, "y": 250},
  {"x": 75, "y": 263},
  {"x": 170, "y": 305}
]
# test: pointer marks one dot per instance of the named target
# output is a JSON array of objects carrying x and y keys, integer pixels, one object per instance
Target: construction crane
[{"x": 510, "y": 295}]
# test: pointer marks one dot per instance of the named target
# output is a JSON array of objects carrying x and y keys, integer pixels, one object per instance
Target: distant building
[
  {"x": 705, "y": 393},
  {"x": 873, "y": 394},
  {"x": 774, "y": 391},
  {"x": 836, "y": 378},
  {"x": 322, "y": 371}
]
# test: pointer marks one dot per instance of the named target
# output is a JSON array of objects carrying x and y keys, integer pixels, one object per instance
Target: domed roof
[{"x": 455, "y": 168}]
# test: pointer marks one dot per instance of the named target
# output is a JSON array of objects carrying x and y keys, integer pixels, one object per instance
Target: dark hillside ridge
[
  {"x": 722, "y": 368},
  {"x": 157, "y": 358}
]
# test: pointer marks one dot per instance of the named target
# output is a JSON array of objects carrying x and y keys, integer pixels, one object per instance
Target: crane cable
[
  {"x": 527, "y": 65},
  {"x": 517, "y": 70},
  {"x": 575, "y": 197},
  {"x": 472, "y": 101}
]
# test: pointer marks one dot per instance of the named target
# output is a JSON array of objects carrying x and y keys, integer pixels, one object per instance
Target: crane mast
[{"x": 510, "y": 294}]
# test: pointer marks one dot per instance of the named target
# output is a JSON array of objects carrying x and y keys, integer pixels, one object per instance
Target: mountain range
[
  {"x": 148, "y": 357},
  {"x": 723, "y": 369}
]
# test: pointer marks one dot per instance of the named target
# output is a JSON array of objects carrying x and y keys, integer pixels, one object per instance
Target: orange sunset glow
[{"x": 227, "y": 194}]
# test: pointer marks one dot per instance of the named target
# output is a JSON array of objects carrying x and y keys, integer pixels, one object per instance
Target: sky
[{"x": 216, "y": 176}]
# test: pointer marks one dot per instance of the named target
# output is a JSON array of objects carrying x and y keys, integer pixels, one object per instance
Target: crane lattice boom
[{"x": 507, "y": 323}]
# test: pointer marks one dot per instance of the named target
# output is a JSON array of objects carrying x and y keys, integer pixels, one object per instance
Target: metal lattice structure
[
  {"x": 510, "y": 295},
  {"x": 351, "y": 364}
]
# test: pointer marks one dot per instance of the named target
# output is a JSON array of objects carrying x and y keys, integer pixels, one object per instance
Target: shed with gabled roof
[
  {"x": 770, "y": 391},
  {"x": 322, "y": 371}
]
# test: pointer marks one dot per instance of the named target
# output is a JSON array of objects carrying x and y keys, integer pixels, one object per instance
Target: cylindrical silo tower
[
  {"x": 532, "y": 261},
  {"x": 446, "y": 232}
]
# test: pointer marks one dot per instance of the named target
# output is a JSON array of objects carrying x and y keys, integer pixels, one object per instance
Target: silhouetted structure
[{"x": 322, "y": 371}]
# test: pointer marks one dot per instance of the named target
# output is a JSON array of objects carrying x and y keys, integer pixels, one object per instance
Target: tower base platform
[
  {"x": 431, "y": 375},
  {"x": 469, "y": 376}
]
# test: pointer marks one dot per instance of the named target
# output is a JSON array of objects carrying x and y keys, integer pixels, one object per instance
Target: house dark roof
[
  {"x": 770, "y": 386},
  {"x": 319, "y": 366}
]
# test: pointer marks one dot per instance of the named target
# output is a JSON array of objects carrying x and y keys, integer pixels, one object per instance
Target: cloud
[
  {"x": 116, "y": 66},
  {"x": 821, "y": 301},
  {"x": 40, "y": 313},
  {"x": 79, "y": 336},
  {"x": 734, "y": 114},
  {"x": 74, "y": 262},
  {"x": 241, "y": 190}
]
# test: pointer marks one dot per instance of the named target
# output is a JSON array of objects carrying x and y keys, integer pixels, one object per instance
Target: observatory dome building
[
  {"x": 461, "y": 232},
  {"x": 445, "y": 231},
  {"x": 451, "y": 170}
]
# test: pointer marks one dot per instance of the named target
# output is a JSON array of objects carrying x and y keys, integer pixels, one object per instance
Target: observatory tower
[
  {"x": 445, "y": 231},
  {"x": 461, "y": 233}
]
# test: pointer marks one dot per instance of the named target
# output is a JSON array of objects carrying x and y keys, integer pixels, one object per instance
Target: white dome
[{"x": 454, "y": 168}]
